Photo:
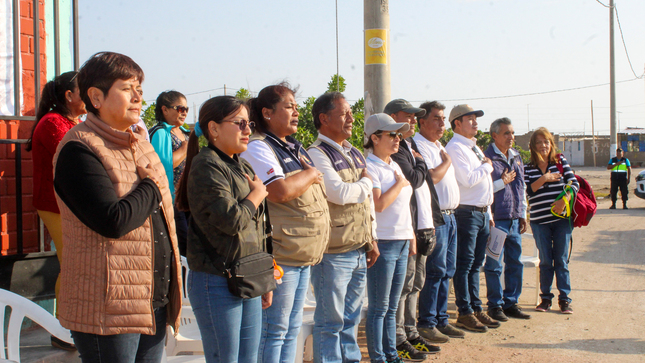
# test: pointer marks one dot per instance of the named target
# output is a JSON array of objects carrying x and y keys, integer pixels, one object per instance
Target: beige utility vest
[
  {"x": 351, "y": 224},
  {"x": 300, "y": 226}
]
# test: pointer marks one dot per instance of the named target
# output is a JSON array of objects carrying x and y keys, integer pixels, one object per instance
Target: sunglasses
[
  {"x": 392, "y": 134},
  {"x": 242, "y": 124},
  {"x": 180, "y": 109}
]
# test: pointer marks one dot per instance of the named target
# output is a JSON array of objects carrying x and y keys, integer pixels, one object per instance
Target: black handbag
[
  {"x": 426, "y": 241},
  {"x": 252, "y": 275}
]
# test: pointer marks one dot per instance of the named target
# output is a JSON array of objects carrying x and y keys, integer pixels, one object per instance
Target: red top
[{"x": 49, "y": 132}]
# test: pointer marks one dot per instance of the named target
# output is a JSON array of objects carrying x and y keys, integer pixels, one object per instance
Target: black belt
[
  {"x": 473, "y": 208},
  {"x": 447, "y": 211}
]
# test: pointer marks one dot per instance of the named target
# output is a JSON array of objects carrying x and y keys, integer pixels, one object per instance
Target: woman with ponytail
[
  {"x": 170, "y": 139},
  {"x": 59, "y": 109},
  {"x": 226, "y": 201}
]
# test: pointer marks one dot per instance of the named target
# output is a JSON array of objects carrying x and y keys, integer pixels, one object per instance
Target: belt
[
  {"x": 447, "y": 211},
  {"x": 473, "y": 208}
]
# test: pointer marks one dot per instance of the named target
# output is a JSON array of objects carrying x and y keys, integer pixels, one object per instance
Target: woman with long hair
[
  {"x": 226, "y": 201},
  {"x": 299, "y": 214},
  {"x": 120, "y": 274},
  {"x": 58, "y": 111},
  {"x": 169, "y": 137},
  {"x": 552, "y": 230},
  {"x": 394, "y": 233}
]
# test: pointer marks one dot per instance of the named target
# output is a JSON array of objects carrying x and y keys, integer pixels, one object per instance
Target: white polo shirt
[
  {"x": 263, "y": 160},
  {"x": 473, "y": 176},
  {"x": 395, "y": 222},
  {"x": 447, "y": 189}
]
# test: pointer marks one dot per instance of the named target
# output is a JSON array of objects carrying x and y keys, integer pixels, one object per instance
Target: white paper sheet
[{"x": 495, "y": 243}]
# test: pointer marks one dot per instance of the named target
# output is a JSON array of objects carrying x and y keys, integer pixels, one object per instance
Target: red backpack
[{"x": 584, "y": 203}]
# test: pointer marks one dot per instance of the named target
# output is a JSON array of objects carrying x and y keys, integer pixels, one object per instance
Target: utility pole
[
  {"x": 613, "y": 137},
  {"x": 376, "y": 19}
]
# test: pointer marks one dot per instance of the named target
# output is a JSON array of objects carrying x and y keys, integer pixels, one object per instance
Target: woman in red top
[{"x": 59, "y": 109}]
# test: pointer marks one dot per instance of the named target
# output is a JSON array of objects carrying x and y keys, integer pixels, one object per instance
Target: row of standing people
[{"x": 117, "y": 217}]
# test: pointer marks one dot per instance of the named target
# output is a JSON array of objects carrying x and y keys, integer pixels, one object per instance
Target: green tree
[
  {"x": 483, "y": 138},
  {"x": 337, "y": 83},
  {"x": 148, "y": 115},
  {"x": 358, "y": 130},
  {"x": 243, "y": 94},
  {"x": 307, "y": 132}
]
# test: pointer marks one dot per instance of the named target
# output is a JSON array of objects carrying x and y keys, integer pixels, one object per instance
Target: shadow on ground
[{"x": 601, "y": 346}]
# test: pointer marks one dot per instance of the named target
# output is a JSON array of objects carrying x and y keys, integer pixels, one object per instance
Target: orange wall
[{"x": 21, "y": 130}]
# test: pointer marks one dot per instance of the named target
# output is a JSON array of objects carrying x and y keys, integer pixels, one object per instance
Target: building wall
[{"x": 22, "y": 130}]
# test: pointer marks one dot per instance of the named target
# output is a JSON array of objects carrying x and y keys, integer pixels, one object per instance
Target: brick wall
[{"x": 22, "y": 130}]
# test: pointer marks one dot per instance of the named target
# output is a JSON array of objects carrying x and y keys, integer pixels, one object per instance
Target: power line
[
  {"x": 535, "y": 93},
  {"x": 598, "y": 1},
  {"x": 624, "y": 45}
]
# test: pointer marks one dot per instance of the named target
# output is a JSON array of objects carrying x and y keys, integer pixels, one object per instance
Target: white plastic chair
[
  {"x": 21, "y": 308},
  {"x": 532, "y": 260},
  {"x": 189, "y": 338},
  {"x": 185, "y": 270}
]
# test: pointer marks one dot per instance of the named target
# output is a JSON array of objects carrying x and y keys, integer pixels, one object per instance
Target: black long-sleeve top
[{"x": 84, "y": 186}]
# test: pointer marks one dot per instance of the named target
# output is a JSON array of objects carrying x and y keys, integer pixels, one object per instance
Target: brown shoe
[
  {"x": 470, "y": 322},
  {"x": 487, "y": 320}
]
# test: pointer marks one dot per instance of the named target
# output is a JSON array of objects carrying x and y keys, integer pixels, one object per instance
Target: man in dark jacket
[
  {"x": 509, "y": 214},
  {"x": 426, "y": 213}
]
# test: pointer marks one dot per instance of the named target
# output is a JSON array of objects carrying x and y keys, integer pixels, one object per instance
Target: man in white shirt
[
  {"x": 409, "y": 344},
  {"x": 433, "y": 322},
  {"x": 339, "y": 279},
  {"x": 473, "y": 215}
]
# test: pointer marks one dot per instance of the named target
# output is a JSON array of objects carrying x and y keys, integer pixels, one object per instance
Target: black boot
[
  {"x": 613, "y": 205},
  {"x": 625, "y": 205}
]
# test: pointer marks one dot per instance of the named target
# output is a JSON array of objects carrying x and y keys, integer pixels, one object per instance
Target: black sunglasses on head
[{"x": 180, "y": 109}]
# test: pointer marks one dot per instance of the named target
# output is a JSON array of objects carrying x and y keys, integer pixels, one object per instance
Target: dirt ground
[{"x": 608, "y": 290}]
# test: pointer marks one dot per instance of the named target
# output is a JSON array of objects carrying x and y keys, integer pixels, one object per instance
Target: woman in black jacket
[{"x": 226, "y": 201}]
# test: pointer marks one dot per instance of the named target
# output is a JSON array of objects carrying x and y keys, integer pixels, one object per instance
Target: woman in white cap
[{"x": 394, "y": 232}]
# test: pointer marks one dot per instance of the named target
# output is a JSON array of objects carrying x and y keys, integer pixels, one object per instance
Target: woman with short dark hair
[{"x": 120, "y": 280}]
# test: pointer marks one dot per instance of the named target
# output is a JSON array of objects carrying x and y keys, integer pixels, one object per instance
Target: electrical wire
[
  {"x": 624, "y": 45},
  {"x": 536, "y": 93},
  {"x": 607, "y": 6}
]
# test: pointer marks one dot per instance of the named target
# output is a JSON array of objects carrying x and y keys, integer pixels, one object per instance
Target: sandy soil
[{"x": 608, "y": 291}]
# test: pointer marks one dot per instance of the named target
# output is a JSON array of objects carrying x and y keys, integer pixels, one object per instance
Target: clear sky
[{"x": 455, "y": 51}]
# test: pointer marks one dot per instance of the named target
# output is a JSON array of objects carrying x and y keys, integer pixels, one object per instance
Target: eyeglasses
[
  {"x": 242, "y": 124},
  {"x": 392, "y": 134},
  {"x": 180, "y": 109}
]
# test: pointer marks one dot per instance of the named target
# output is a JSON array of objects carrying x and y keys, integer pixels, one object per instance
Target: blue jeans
[
  {"x": 230, "y": 326},
  {"x": 513, "y": 268},
  {"x": 123, "y": 348},
  {"x": 384, "y": 284},
  {"x": 473, "y": 230},
  {"x": 339, "y": 287},
  {"x": 440, "y": 268},
  {"x": 282, "y": 321},
  {"x": 552, "y": 240}
]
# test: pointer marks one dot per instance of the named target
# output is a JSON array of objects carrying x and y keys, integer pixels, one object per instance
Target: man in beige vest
[{"x": 339, "y": 279}]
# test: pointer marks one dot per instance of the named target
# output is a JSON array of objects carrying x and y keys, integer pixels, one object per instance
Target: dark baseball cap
[{"x": 400, "y": 104}]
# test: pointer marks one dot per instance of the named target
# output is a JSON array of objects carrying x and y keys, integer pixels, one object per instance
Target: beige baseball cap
[
  {"x": 463, "y": 110},
  {"x": 383, "y": 122}
]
